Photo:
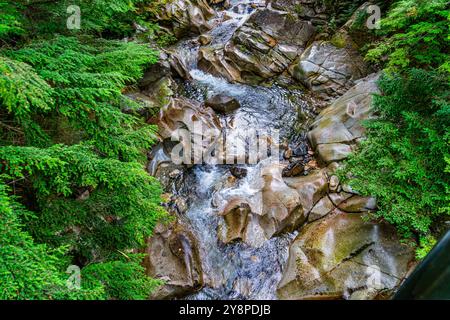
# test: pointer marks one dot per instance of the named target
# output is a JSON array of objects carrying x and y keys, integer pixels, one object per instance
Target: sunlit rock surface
[
  {"x": 338, "y": 128},
  {"x": 329, "y": 69},
  {"x": 273, "y": 205},
  {"x": 344, "y": 257},
  {"x": 172, "y": 256},
  {"x": 262, "y": 48},
  {"x": 186, "y": 16}
]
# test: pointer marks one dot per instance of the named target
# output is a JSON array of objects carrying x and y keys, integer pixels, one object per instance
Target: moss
[
  {"x": 339, "y": 41},
  {"x": 298, "y": 9}
]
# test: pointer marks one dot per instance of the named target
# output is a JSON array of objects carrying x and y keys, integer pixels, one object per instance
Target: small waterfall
[{"x": 236, "y": 270}]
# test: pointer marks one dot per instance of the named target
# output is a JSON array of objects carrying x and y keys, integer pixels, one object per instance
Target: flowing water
[{"x": 237, "y": 270}]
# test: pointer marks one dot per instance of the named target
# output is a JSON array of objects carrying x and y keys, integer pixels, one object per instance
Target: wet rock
[
  {"x": 328, "y": 69},
  {"x": 262, "y": 48},
  {"x": 183, "y": 119},
  {"x": 222, "y": 103},
  {"x": 238, "y": 172},
  {"x": 155, "y": 72},
  {"x": 311, "y": 188},
  {"x": 175, "y": 173},
  {"x": 321, "y": 209},
  {"x": 148, "y": 102},
  {"x": 288, "y": 153},
  {"x": 344, "y": 257},
  {"x": 179, "y": 66},
  {"x": 186, "y": 16},
  {"x": 204, "y": 39},
  {"x": 235, "y": 222},
  {"x": 180, "y": 204},
  {"x": 212, "y": 60},
  {"x": 164, "y": 172},
  {"x": 336, "y": 129},
  {"x": 172, "y": 256},
  {"x": 300, "y": 150},
  {"x": 226, "y": 16},
  {"x": 275, "y": 206},
  {"x": 294, "y": 169},
  {"x": 358, "y": 204},
  {"x": 333, "y": 184}
]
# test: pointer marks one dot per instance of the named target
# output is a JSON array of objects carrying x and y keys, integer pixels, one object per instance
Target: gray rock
[
  {"x": 179, "y": 67},
  {"x": 333, "y": 184},
  {"x": 155, "y": 72},
  {"x": 314, "y": 10},
  {"x": 262, "y": 48},
  {"x": 222, "y": 103},
  {"x": 186, "y": 16},
  {"x": 337, "y": 129},
  {"x": 344, "y": 257},
  {"x": 300, "y": 150},
  {"x": 294, "y": 169},
  {"x": 329, "y": 70},
  {"x": 280, "y": 205},
  {"x": 172, "y": 255}
]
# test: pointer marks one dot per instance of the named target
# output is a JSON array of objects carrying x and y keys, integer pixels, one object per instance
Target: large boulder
[
  {"x": 212, "y": 60},
  {"x": 188, "y": 121},
  {"x": 222, "y": 103},
  {"x": 275, "y": 205},
  {"x": 344, "y": 257},
  {"x": 155, "y": 72},
  {"x": 329, "y": 68},
  {"x": 149, "y": 101},
  {"x": 262, "y": 48},
  {"x": 173, "y": 256},
  {"x": 338, "y": 128},
  {"x": 312, "y": 10},
  {"x": 186, "y": 16}
]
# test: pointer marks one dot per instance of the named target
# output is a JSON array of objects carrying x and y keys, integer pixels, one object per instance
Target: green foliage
[
  {"x": 401, "y": 162},
  {"x": 341, "y": 11},
  {"x": 73, "y": 187},
  {"x": 415, "y": 34},
  {"x": 22, "y": 91},
  {"x": 86, "y": 78},
  {"x": 120, "y": 213},
  {"x": 122, "y": 278},
  {"x": 10, "y": 19},
  {"x": 426, "y": 243},
  {"x": 29, "y": 270}
]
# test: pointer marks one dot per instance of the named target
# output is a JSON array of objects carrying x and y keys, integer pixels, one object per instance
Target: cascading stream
[{"x": 237, "y": 270}]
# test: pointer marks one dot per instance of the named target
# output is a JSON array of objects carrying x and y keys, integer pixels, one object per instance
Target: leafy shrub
[
  {"x": 73, "y": 187},
  {"x": 426, "y": 243},
  {"x": 414, "y": 34},
  {"x": 402, "y": 161}
]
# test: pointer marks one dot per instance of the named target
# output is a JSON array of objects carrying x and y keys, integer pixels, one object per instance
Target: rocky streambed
[{"x": 282, "y": 227}]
